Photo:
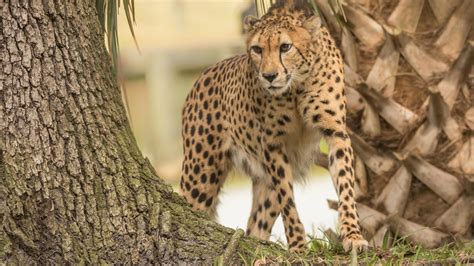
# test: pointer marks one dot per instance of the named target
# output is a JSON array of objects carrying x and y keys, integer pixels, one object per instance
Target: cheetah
[{"x": 264, "y": 113}]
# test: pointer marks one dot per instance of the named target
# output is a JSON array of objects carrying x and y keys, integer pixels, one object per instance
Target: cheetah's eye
[
  {"x": 285, "y": 47},
  {"x": 256, "y": 49}
]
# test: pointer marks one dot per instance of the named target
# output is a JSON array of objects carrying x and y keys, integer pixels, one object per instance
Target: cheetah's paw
[
  {"x": 356, "y": 242},
  {"x": 299, "y": 248}
]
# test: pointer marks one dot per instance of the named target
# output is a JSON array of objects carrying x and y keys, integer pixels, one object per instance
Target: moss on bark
[{"x": 74, "y": 187}]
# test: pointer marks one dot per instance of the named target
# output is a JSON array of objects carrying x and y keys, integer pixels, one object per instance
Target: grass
[
  {"x": 323, "y": 251},
  {"x": 400, "y": 253}
]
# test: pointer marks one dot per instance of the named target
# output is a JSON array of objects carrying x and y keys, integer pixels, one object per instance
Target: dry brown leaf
[
  {"x": 330, "y": 18},
  {"x": 451, "y": 129},
  {"x": 382, "y": 76},
  {"x": 364, "y": 3},
  {"x": 377, "y": 162},
  {"x": 422, "y": 62},
  {"x": 469, "y": 118},
  {"x": 450, "y": 85},
  {"x": 367, "y": 30},
  {"x": 355, "y": 102},
  {"x": 321, "y": 159},
  {"x": 406, "y": 14},
  {"x": 351, "y": 77},
  {"x": 443, "y": 8},
  {"x": 370, "y": 122},
  {"x": 424, "y": 141},
  {"x": 444, "y": 184},
  {"x": 349, "y": 49},
  {"x": 332, "y": 204},
  {"x": 466, "y": 90},
  {"x": 440, "y": 115},
  {"x": 260, "y": 262},
  {"x": 417, "y": 233},
  {"x": 453, "y": 38},
  {"x": 378, "y": 239},
  {"x": 464, "y": 159},
  {"x": 457, "y": 218},
  {"x": 398, "y": 116},
  {"x": 332, "y": 236},
  {"x": 395, "y": 194},
  {"x": 369, "y": 218}
]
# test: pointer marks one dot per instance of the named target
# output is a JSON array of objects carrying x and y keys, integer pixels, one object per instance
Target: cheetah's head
[{"x": 281, "y": 48}]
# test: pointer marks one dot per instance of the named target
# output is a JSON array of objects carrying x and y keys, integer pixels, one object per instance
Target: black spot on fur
[
  {"x": 213, "y": 178},
  {"x": 210, "y": 139},
  {"x": 316, "y": 118},
  {"x": 331, "y": 112},
  {"x": 267, "y": 204},
  {"x": 281, "y": 172},
  {"x": 197, "y": 169},
  {"x": 209, "y": 202},
  {"x": 202, "y": 197},
  {"x": 198, "y": 148},
  {"x": 328, "y": 132},
  {"x": 194, "y": 193}
]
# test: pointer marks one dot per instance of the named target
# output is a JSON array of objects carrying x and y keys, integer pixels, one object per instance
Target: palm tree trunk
[
  {"x": 74, "y": 188},
  {"x": 410, "y": 98}
]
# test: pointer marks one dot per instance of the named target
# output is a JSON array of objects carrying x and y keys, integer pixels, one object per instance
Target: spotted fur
[{"x": 264, "y": 113}]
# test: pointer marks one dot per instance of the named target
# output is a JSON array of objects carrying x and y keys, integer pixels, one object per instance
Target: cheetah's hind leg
[{"x": 203, "y": 174}]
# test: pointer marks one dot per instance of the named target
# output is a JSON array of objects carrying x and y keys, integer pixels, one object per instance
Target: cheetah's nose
[{"x": 270, "y": 76}]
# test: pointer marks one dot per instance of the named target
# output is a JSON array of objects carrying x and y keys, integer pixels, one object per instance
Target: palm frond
[
  {"x": 108, "y": 11},
  {"x": 263, "y": 6},
  {"x": 335, "y": 5},
  {"x": 337, "y": 11}
]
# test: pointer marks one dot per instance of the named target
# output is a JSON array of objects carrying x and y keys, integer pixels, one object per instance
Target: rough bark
[
  {"x": 74, "y": 188},
  {"x": 410, "y": 89}
]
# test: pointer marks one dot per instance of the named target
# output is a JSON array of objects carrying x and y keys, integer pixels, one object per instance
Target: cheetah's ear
[
  {"x": 312, "y": 24},
  {"x": 250, "y": 22}
]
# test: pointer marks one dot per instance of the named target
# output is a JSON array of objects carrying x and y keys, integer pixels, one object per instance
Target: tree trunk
[{"x": 74, "y": 188}]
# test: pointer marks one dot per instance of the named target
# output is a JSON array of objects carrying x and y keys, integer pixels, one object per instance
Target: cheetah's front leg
[
  {"x": 322, "y": 105},
  {"x": 341, "y": 163},
  {"x": 277, "y": 198}
]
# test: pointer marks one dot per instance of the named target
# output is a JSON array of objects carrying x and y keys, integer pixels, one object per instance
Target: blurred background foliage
[{"x": 176, "y": 43}]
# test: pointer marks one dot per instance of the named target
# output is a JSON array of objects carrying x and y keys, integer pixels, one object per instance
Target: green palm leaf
[
  {"x": 335, "y": 5},
  {"x": 108, "y": 13},
  {"x": 107, "y": 10}
]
